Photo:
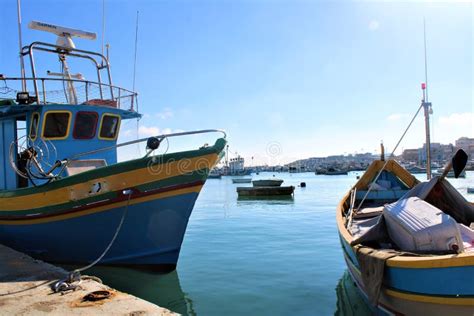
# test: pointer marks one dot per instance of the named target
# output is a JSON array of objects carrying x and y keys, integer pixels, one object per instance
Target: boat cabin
[{"x": 58, "y": 127}]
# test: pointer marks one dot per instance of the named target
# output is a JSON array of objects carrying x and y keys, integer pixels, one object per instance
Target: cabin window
[
  {"x": 85, "y": 125},
  {"x": 56, "y": 124},
  {"x": 34, "y": 126},
  {"x": 109, "y": 126}
]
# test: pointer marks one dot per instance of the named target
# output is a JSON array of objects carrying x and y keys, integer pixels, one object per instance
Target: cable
[
  {"x": 391, "y": 155},
  {"x": 74, "y": 276}
]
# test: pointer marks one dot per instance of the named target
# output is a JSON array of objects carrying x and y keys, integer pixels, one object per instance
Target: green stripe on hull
[{"x": 116, "y": 169}]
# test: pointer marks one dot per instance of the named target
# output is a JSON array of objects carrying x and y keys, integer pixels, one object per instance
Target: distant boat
[
  {"x": 416, "y": 169},
  {"x": 214, "y": 175},
  {"x": 267, "y": 183},
  {"x": 450, "y": 173},
  {"x": 331, "y": 172},
  {"x": 470, "y": 190},
  {"x": 266, "y": 191},
  {"x": 241, "y": 180}
]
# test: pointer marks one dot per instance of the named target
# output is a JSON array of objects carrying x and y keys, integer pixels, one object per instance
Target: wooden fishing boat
[
  {"x": 409, "y": 245},
  {"x": 410, "y": 282},
  {"x": 64, "y": 197}
]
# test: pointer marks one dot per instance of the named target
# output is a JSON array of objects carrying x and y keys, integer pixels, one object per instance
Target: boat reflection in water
[
  {"x": 267, "y": 200},
  {"x": 350, "y": 301},
  {"x": 163, "y": 290}
]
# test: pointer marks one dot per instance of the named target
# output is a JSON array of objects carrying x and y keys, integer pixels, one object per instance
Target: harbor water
[{"x": 259, "y": 257}]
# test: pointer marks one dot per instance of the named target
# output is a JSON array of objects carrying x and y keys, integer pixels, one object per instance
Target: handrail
[
  {"x": 90, "y": 90},
  {"x": 67, "y": 79},
  {"x": 161, "y": 137}
]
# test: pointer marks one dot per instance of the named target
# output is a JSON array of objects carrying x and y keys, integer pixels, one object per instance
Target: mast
[
  {"x": 22, "y": 63},
  {"x": 428, "y": 110}
]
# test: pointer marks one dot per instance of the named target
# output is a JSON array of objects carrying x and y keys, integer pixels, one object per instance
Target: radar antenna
[{"x": 65, "y": 44}]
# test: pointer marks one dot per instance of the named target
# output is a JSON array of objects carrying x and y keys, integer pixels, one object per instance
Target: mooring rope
[{"x": 72, "y": 281}]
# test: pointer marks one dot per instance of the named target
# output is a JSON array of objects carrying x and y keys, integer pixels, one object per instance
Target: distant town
[{"x": 412, "y": 159}]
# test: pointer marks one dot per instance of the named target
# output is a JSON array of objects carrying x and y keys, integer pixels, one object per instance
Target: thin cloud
[
  {"x": 458, "y": 120},
  {"x": 145, "y": 131},
  {"x": 396, "y": 117},
  {"x": 165, "y": 114}
]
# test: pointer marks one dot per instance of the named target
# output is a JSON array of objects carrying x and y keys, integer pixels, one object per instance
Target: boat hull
[
  {"x": 412, "y": 285},
  {"x": 267, "y": 183},
  {"x": 417, "y": 291},
  {"x": 66, "y": 222},
  {"x": 151, "y": 235},
  {"x": 265, "y": 191}
]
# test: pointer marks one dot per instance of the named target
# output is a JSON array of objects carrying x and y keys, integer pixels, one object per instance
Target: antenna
[
  {"x": 64, "y": 34},
  {"x": 135, "y": 60},
  {"x": 426, "y": 60},
  {"x": 22, "y": 63},
  {"x": 103, "y": 26},
  {"x": 427, "y": 109}
]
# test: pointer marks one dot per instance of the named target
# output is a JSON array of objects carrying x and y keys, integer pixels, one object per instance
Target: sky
[{"x": 285, "y": 79}]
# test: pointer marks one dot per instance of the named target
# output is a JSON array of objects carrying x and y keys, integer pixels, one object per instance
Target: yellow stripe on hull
[
  {"x": 432, "y": 299},
  {"x": 111, "y": 183},
  {"x": 194, "y": 189}
]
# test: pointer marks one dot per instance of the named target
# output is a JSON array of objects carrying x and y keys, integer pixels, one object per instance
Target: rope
[
  {"x": 391, "y": 155},
  {"x": 74, "y": 278}
]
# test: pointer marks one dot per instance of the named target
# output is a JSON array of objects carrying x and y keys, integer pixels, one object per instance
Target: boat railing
[
  {"x": 69, "y": 91},
  {"x": 159, "y": 139}
]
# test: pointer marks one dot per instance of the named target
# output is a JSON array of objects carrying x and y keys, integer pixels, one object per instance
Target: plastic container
[{"x": 415, "y": 225}]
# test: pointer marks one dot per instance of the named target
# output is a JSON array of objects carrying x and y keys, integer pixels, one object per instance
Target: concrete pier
[{"x": 25, "y": 289}]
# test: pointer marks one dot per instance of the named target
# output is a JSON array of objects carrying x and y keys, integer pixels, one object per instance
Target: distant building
[
  {"x": 439, "y": 153},
  {"x": 467, "y": 144},
  {"x": 410, "y": 155}
]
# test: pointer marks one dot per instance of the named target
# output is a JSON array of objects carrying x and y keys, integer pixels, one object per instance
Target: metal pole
[
  {"x": 427, "y": 106},
  {"x": 22, "y": 64},
  {"x": 428, "y": 110}
]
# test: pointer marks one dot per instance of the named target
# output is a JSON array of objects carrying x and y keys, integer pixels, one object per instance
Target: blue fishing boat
[
  {"x": 409, "y": 245},
  {"x": 64, "y": 197}
]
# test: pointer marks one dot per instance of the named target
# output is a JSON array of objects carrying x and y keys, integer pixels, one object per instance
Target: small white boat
[
  {"x": 241, "y": 180},
  {"x": 267, "y": 183}
]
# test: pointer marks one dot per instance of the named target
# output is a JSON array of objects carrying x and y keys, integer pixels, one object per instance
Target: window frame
[
  {"x": 68, "y": 124},
  {"x": 37, "y": 125},
  {"x": 102, "y": 121},
  {"x": 95, "y": 125}
]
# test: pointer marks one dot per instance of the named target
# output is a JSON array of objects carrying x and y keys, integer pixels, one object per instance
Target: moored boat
[
  {"x": 214, "y": 174},
  {"x": 407, "y": 281},
  {"x": 64, "y": 197},
  {"x": 409, "y": 246},
  {"x": 266, "y": 191},
  {"x": 241, "y": 180},
  {"x": 267, "y": 183},
  {"x": 450, "y": 174}
]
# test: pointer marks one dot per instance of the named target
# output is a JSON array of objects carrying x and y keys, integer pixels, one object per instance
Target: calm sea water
[{"x": 259, "y": 257}]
